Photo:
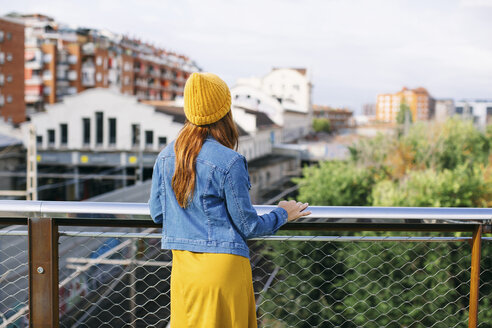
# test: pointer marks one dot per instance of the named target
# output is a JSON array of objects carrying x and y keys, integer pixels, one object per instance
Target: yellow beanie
[{"x": 206, "y": 98}]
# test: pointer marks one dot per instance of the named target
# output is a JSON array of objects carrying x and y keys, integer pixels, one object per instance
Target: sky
[{"x": 353, "y": 49}]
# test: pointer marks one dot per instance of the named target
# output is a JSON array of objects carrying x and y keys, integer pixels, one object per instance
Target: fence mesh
[
  {"x": 121, "y": 279},
  {"x": 13, "y": 280}
]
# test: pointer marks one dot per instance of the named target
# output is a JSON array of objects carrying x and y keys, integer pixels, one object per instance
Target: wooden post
[
  {"x": 475, "y": 277},
  {"x": 43, "y": 273}
]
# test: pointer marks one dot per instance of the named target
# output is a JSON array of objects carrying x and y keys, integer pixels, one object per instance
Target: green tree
[
  {"x": 322, "y": 125},
  {"x": 404, "y": 114},
  {"x": 374, "y": 285}
]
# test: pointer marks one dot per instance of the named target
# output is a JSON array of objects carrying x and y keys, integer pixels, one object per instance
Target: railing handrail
[{"x": 320, "y": 214}]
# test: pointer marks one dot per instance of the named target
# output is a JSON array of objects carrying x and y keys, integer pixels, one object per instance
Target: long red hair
[{"x": 188, "y": 145}]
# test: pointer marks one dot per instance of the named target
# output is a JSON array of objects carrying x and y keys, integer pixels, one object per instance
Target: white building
[
  {"x": 284, "y": 95},
  {"x": 444, "y": 109},
  {"x": 102, "y": 120},
  {"x": 478, "y": 110},
  {"x": 261, "y": 132}
]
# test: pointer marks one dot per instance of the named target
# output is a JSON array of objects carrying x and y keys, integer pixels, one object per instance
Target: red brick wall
[{"x": 13, "y": 71}]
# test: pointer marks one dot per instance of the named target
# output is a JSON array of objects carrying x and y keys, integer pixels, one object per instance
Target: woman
[{"x": 200, "y": 195}]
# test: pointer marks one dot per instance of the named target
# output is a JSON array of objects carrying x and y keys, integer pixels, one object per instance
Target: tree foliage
[
  {"x": 404, "y": 114},
  {"x": 434, "y": 165},
  {"x": 322, "y": 125}
]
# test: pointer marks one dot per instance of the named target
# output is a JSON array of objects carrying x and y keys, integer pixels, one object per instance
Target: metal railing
[{"x": 84, "y": 264}]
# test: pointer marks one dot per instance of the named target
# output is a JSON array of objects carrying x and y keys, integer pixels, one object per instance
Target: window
[
  {"x": 51, "y": 137},
  {"x": 459, "y": 110},
  {"x": 72, "y": 75},
  {"x": 149, "y": 138},
  {"x": 86, "y": 131},
  {"x": 99, "y": 128},
  {"x": 99, "y": 60},
  {"x": 98, "y": 77},
  {"x": 39, "y": 140},
  {"x": 135, "y": 134},
  {"x": 2, "y": 58},
  {"x": 1, "y": 36},
  {"x": 9, "y": 36},
  {"x": 47, "y": 58},
  {"x": 2, "y": 100},
  {"x": 9, "y": 99},
  {"x": 9, "y": 57},
  {"x": 162, "y": 141},
  {"x": 9, "y": 78},
  {"x": 47, "y": 75},
  {"x": 112, "y": 131},
  {"x": 63, "y": 134},
  {"x": 1, "y": 79},
  {"x": 72, "y": 59}
]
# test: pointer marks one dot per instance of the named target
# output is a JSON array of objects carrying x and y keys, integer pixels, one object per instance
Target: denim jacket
[{"x": 220, "y": 216}]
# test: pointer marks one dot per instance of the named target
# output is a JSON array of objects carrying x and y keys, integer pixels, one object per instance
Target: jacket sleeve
[
  {"x": 155, "y": 196},
  {"x": 242, "y": 212}
]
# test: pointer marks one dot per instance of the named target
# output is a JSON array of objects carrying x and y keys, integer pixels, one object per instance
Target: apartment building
[
  {"x": 63, "y": 60},
  {"x": 339, "y": 117},
  {"x": 12, "y": 106},
  {"x": 420, "y": 102}
]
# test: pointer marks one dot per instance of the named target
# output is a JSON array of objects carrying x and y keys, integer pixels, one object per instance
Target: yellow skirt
[{"x": 211, "y": 290}]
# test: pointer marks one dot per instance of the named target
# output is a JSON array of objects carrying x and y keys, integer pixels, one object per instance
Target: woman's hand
[{"x": 294, "y": 209}]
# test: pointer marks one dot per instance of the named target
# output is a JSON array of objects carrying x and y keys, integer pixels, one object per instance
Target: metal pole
[
  {"x": 475, "y": 277},
  {"x": 133, "y": 294},
  {"x": 43, "y": 273},
  {"x": 77, "y": 183},
  {"x": 32, "y": 166}
]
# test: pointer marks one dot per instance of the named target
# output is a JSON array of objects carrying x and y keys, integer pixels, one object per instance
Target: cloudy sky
[{"x": 354, "y": 49}]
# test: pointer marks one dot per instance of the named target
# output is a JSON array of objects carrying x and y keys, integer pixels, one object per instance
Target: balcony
[
  {"x": 34, "y": 80},
  {"x": 95, "y": 263}
]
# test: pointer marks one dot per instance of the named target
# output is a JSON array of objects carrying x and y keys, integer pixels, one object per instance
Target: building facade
[
  {"x": 444, "y": 109},
  {"x": 420, "y": 102},
  {"x": 62, "y": 61},
  {"x": 284, "y": 95},
  {"x": 12, "y": 106},
  {"x": 477, "y": 110},
  {"x": 340, "y": 118}
]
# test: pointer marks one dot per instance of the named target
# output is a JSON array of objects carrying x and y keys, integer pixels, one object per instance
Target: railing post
[
  {"x": 43, "y": 273},
  {"x": 475, "y": 277}
]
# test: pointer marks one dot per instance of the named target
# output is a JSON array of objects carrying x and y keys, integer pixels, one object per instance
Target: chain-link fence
[
  {"x": 360, "y": 283},
  {"x": 121, "y": 279},
  {"x": 13, "y": 278}
]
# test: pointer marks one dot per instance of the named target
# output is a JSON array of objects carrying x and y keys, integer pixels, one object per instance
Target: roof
[
  {"x": 12, "y": 20},
  {"x": 137, "y": 193},
  {"x": 179, "y": 116},
  {"x": 268, "y": 160},
  {"x": 6, "y": 141},
  {"x": 262, "y": 119},
  {"x": 302, "y": 71},
  {"x": 241, "y": 131},
  {"x": 290, "y": 111},
  {"x": 176, "y": 112},
  {"x": 320, "y": 108}
]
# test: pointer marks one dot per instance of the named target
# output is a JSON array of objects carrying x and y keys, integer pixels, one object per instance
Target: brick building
[
  {"x": 12, "y": 106},
  {"x": 62, "y": 60}
]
